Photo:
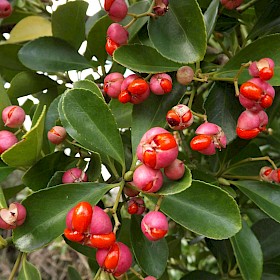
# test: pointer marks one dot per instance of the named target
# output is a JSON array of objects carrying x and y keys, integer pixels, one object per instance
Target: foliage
[{"x": 220, "y": 213}]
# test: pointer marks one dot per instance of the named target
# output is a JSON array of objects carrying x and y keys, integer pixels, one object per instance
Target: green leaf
[
  {"x": 30, "y": 28},
  {"x": 152, "y": 112},
  {"x": 223, "y": 108},
  {"x": 210, "y": 17},
  {"x": 9, "y": 57},
  {"x": 12, "y": 191},
  {"x": 47, "y": 210},
  {"x": 172, "y": 187},
  {"x": 263, "y": 194},
  {"x": 145, "y": 250},
  {"x": 204, "y": 209},
  {"x": 180, "y": 28},
  {"x": 27, "y": 151},
  {"x": 4, "y": 170},
  {"x": 49, "y": 54},
  {"x": 28, "y": 271},
  {"x": 94, "y": 168},
  {"x": 70, "y": 28},
  {"x": 267, "y": 232},
  {"x": 83, "y": 249},
  {"x": 56, "y": 179},
  {"x": 25, "y": 83},
  {"x": 95, "y": 127},
  {"x": 89, "y": 85},
  {"x": 201, "y": 275},
  {"x": 255, "y": 51},
  {"x": 73, "y": 274},
  {"x": 96, "y": 39},
  {"x": 52, "y": 117},
  {"x": 122, "y": 112},
  {"x": 38, "y": 176},
  {"x": 131, "y": 56},
  {"x": 248, "y": 253}
]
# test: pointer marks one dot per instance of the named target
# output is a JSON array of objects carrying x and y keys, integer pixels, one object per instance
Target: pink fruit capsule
[
  {"x": 74, "y": 175},
  {"x": 7, "y": 140},
  {"x": 161, "y": 83},
  {"x": 116, "y": 9},
  {"x": 57, "y": 135},
  {"x": 175, "y": 170},
  {"x": 112, "y": 84},
  {"x": 13, "y": 116},
  {"x": 117, "y": 33},
  {"x": 136, "y": 205}
]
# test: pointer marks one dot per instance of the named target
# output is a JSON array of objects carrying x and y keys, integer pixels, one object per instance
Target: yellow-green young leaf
[
  {"x": 28, "y": 271},
  {"x": 248, "y": 253},
  {"x": 27, "y": 151},
  {"x": 30, "y": 28}
]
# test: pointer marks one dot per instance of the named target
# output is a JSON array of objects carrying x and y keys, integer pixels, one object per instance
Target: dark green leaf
[
  {"x": 204, "y": 209},
  {"x": 248, "y": 253},
  {"x": 70, "y": 28},
  {"x": 131, "y": 56},
  {"x": 122, "y": 113},
  {"x": 145, "y": 250},
  {"x": 89, "y": 85},
  {"x": 5, "y": 102},
  {"x": 51, "y": 54},
  {"x": 94, "y": 167},
  {"x": 85, "y": 250},
  {"x": 223, "y": 108},
  {"x": 201, "y": 275},
  {"x": 38, "y": 176},
  {"x": 96, "y": 39},
  {"x": 268, "y": 231},
  {"x": 11, "y": 192},
  {"x": 47, "y": 210},
  {"x": 9, "y": 57},
  {"x": 4, "y": 171},
  {"x": 180, "y": 28},
  {"x": 27, "y": 151},
  {"x": 73, "y": 274},
  {"x": 264, "y": 194},
  {"x": 255, "y": 51},
  {"x": 56, "y": 179},
  {"x": 210, "y": 17},
  {"x": 26, "y": 83},
  {"x": 95, "y": 127}
]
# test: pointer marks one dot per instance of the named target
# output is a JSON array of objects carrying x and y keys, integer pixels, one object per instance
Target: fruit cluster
[
  {"x": 135, "y": 89},
  {"x": 92, "y": 226},
  {"x": 255, "y": 96}
]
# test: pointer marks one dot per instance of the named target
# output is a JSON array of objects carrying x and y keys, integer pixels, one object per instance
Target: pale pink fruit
[
  {"x": 257, "y": 66},
  {"x": 112, "y": 84},
  {"x": 100, "y": 222},
  {"x": 57, "y": 135},
  {"x": 7, "y": 140},
  {"x": 117, "y": 9},
  {"x": 266, "y": 174},
  {"x": 275, "y": 175},
  {"x": 74, "y": 175},
  {"x": 13, "y": 116},
  {"x": 161, "y": 83},
  {"x": 150, "y": 278},
  {"x": 175, "y": 170},
  {"x": 179, "y": 117},
  {"x": 157, "y": 148},
  {"x": 117, "y": 33},
  {"x": 154, "y": 225},
  {"x": 185, "y": 75},
  {"x": 5, "y": 9}
]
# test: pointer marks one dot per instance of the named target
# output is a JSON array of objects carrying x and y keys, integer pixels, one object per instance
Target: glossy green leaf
[
  {"x": 255, "y": 51},
  {"x": 267, "y": 232},
  {"x": 263, "y": 194},
  {"x": 145, "y": 250},
  {"x": 201, "y": 275},
  {"x": 96, "y": 39},
  {"x": 47, "y": 209},
  {"x": 95, "y": 127},
  {"x": 122, "y": 112},
  {"x": 223, "y": 108},
  {"x": 204, "y": 209},
  {"x": 269, "y": 276},
  {"x": 180, "y": 28},
  {"x": 94, "y": 168},
  {"x": 152, "y": 112},
  {"x": 26, "y": 83},
  {"x": 131, "y": 56},
  {"x": 12, "y": 191},
  {"x": 52, "y": 117},
  {"x": 28, "y": 271},
  {"x": 70, "y": 28},
  {"x": 172, "y": 187},
  {"x": 89, "y": 85},
  {"x": 210, "y": 17},
  {"x": 268, "y": 22},
  {"x": 248, "y": 253},
  {"x": 73, "y": 274},
  {"x": 9, "y": 57},
  {"x": 27, "y": 151},
  {"x": 56, "y": 179},
  {"x": 85, "y": 250},
  {"x": 38, "y": 176},
  {"x": 50, "y": 54}
]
